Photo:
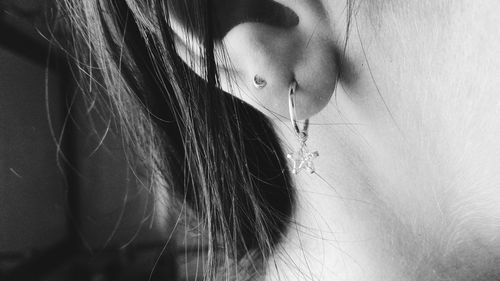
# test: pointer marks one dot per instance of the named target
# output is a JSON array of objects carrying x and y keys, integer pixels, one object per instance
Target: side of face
[
  {"x": 422, "y": 140},
  {"x": 406, "y": 117}
]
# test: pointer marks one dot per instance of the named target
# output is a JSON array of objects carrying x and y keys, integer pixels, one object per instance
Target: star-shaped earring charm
[{"x": 303, "y": 160}]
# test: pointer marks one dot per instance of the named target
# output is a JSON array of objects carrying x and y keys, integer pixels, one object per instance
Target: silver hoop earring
[
  {"x": 302, "y": 159},
  {"x": 259, "y": 82}
]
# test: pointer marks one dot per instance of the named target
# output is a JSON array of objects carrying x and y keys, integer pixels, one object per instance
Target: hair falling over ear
[{"x": 213, "y": 154}]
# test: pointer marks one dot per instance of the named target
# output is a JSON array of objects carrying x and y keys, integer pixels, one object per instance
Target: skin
[{"x": 407, "y": 183}]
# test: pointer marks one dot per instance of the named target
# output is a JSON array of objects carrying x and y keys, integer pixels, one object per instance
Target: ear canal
[{"x": 227, "y": 14}]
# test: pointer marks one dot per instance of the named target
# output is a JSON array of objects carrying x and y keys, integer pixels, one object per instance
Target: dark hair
[{"x": 210, "y": 151}]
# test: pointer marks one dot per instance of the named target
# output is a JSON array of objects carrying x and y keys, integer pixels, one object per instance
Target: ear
[{"x": 256, "y": 41}]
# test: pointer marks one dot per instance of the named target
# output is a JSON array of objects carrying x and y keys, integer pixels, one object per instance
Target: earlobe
[
  {"x": 301, "y": 50},
  {"x": 305, "y": 53}
]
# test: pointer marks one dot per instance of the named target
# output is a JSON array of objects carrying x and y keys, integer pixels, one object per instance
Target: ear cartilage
[{"x": 259, "y": 82}]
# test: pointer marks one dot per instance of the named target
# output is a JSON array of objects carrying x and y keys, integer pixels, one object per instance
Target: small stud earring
[{"x": 259, "y": 82}]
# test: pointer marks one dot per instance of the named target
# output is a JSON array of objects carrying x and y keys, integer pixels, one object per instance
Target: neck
[
  {"x": 336, "y": 234},
  {"x": 372, "y": 212}
]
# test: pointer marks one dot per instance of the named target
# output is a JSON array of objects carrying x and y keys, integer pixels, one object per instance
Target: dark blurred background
[{"x": 71, "y": 204}]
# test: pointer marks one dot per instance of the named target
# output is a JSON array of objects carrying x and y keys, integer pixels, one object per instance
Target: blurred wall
[
  {"x": 113, "y": 209},
  {"x": 32, "y": 188}
]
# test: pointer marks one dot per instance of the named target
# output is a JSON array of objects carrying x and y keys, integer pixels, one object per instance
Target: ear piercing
[
  {"x": 302, "y": 159},
  {"x": 259, "y": 82}
]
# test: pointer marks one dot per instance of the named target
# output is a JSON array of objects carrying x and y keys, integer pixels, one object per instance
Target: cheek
[{"x": 427, "y": 101}]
